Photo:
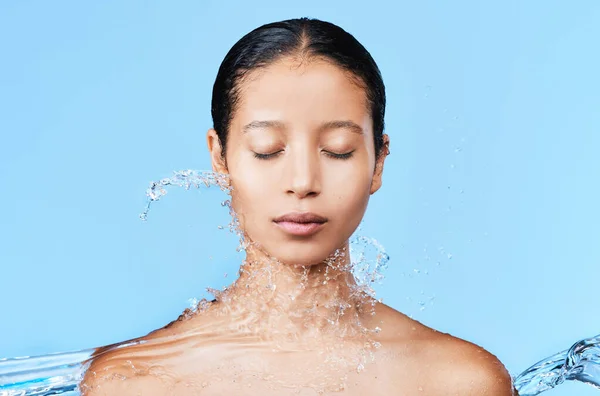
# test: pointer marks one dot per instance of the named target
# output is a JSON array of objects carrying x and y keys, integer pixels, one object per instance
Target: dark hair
[{"x": 304, "y": 38}]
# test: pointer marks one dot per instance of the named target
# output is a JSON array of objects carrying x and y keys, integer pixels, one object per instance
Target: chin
[
  {"x": 301, "y": 256},
  {"x": 301, "y": 262},
  {"x": 297, "y": 253}
]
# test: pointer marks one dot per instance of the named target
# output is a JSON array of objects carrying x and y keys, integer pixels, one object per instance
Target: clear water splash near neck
[
  {"x": 368, "y": 260},
  {"x": 62, "y": 373},
  {"x": 366, "y": 270},
  {"x": 580, "y": 363}
]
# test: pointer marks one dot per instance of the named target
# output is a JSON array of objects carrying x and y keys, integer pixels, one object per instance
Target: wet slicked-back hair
[{"x": 303, "y": 39}]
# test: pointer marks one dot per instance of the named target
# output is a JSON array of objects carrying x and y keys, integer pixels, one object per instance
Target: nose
[{"x": 303, "y": 176}]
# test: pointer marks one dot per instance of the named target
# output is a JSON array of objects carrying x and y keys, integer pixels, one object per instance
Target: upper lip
[{"x": 304, "y": 217}]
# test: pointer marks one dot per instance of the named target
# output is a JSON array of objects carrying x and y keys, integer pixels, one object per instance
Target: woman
[{"x": 298, "y": 110}]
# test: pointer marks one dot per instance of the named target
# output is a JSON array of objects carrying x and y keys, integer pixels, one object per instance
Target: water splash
[
  {"x": 52, "y": 374},
  {"x": 366, "y": 270},
  {"x": 363, "y": 265},
  {"x": 187, "y": 179},
  {"x": 62, "y": 373},
  {"x": 44, "y": 375},
  {"x": 580, "y": 363}
]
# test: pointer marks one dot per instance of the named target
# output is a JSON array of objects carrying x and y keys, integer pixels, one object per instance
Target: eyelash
[
  {"x": 343, "y": 156},
  {"x": 266, "y": 156}
]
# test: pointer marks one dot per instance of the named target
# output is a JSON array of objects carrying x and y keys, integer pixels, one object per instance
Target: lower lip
[{"x": 300, "y": 229}]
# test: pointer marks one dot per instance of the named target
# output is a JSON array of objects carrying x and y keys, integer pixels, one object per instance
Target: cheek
[
  {"x": 350, "y": 193},
  {"x": 250, "y": 194},
  {"x": 351, "y": 181}
]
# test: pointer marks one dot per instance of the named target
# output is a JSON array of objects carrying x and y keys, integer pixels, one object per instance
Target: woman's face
[{"x": 301, "y": 141}]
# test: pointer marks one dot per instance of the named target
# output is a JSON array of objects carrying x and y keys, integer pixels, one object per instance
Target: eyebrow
[
  {"x": 263, "y": 125},
  {"x": 337, "y": 124}
]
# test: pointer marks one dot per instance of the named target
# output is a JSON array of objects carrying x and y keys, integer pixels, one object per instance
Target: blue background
[{"x": 494, "y": 122}]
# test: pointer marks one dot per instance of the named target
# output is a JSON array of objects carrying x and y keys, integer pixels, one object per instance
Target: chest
[{"x": 305, "y": 374}]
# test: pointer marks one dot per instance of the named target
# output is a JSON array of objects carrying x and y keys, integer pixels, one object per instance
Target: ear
[
  {"x": 215, "y": 151},
  {"x": 378, "y": 173}
]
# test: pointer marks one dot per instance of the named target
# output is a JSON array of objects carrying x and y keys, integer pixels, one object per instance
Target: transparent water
[{"x": 61, "y": 373}]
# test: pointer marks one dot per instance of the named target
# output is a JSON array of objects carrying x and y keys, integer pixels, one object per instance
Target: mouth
[{"x": 300, "y": 224}]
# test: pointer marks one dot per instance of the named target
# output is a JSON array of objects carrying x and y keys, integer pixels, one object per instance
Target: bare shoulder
[
  {"x": 112, "y": 372},
  {"x": 470, "y": 369},
  {"x": 441, "y": 364},
  {"x": 119, "y": 370},
  {"x": 141, "y": 366}
]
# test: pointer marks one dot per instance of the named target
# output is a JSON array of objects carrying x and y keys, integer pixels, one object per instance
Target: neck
[{"x": 299, "y": 301}]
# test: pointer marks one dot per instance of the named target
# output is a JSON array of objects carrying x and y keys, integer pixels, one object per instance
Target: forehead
[{"x": 314, "y": 91}]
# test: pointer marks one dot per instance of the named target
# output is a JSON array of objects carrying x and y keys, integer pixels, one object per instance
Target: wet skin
[
  {"x": 412, "y": 360},
  {"x": 301, "y": 140}
]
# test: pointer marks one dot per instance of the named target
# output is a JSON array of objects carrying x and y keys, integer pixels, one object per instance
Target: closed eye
[
  {"x": 266, "y": 156},
  {"x": 328, "y": 153},
  {"x": 340, "y": 156}
]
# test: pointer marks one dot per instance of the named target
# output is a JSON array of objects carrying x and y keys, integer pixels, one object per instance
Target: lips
[
  {"x": 300, "y": 224},
  {"x": 305, "y": 217}
]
